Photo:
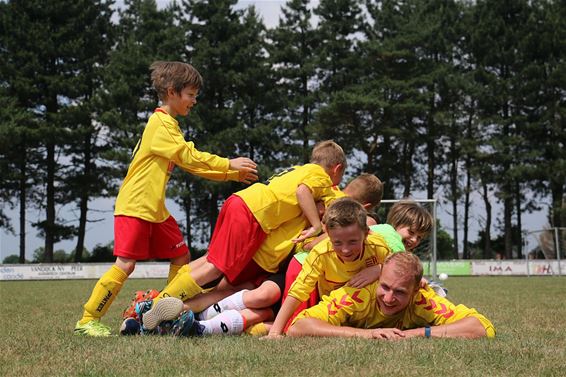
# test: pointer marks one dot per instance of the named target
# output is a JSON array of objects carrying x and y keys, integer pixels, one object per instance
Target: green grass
[{"x": 37, "y": 320}]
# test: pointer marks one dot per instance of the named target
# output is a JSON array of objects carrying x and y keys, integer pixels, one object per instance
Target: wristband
[{"x": 427, "y": 331}]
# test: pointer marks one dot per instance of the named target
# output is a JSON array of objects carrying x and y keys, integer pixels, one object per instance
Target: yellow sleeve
[
  {"x": 169, "y": 143},
  {"x": 308, "y": 278},
  {"x": 435, "y": 310},
  {"x": 343, "y": 306}
]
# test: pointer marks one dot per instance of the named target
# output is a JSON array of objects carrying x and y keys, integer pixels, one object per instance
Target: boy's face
[
  {"x": 181, "y": 103},
  {"x": 348, "y": 241},
  {"x": 411, "y": 238},
  {"x": 394, "y": 291}
]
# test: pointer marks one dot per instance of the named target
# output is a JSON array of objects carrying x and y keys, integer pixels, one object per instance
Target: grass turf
[{"x": 37, "y": 320}]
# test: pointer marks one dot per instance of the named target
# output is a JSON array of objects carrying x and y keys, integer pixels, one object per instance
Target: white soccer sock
[
  {"x": 235, "y": 301},
  {"x": 229, "y": 322}
]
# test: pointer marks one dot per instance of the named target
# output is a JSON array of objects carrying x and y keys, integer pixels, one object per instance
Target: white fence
[{"x": 161, "y": 269}]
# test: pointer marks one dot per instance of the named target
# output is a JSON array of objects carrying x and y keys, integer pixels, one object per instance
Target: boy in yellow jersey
[
  {"x": 143, "y": 228},
  {"x": 392, "y": 308},
  {"x": 349, "y": 256},
  {"x": 245, "y": 220}
]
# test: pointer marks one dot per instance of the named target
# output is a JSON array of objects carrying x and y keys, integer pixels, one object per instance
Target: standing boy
[{"x": 143, "y": 228}]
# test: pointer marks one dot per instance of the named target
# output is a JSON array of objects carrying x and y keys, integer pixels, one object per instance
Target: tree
[
  {"x": 293, "y": 56},
  {"x": 42, "y": 71}
]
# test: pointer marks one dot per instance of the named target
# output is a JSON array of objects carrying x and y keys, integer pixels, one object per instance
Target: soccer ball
[{"x": 443, "y": 276}]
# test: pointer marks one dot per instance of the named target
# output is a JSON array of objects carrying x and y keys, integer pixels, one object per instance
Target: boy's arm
[
  {"x": 246, "y": 174},
  {"x": 246, "y": 167},
  {"x": 469, "y": 327},
  {"x": 308, "y": 206},
  {"x": 318, "y": 327},
  {"x": 366, "y": 276},
  {"x": 287, "y": 309}
]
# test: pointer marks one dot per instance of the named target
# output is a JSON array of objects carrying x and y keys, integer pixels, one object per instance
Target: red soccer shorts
[
  {"x": 236, "y": 237},
  {"x": 140, "y": 239}
]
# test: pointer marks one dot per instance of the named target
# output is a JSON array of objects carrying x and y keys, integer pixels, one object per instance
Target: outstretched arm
[
  {"x": 287, "y": 309},
  {"x": 469, "y": 327},
  {"x": 246, "y": 167},
  {"x": 317, "y": 327}
]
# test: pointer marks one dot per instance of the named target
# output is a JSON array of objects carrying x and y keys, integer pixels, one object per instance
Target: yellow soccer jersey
[
  {"x": 275, "y": 203},
  {"x": 357, "y": 307},
  {"x": 278, "y": 245},
  {"x": 161, "y": 147},
  {"x": 323, "y": 267}
]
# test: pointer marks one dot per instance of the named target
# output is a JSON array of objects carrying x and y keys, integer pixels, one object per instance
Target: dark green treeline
[{"x": 448, "y": 97}]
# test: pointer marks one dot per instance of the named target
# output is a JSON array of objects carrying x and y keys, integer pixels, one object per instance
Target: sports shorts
[
  {"x": 236, "y": 237},
  {"x": 139, "y": 239}
]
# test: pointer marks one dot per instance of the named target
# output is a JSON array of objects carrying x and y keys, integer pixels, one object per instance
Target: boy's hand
[
  {"x": 246, "y": 167},
  {"x": 423, "y": 283},
  {"x": 307, "y": 233},
  {"x": 272, "y": 336},
  {"x": 365, "y": 277}
]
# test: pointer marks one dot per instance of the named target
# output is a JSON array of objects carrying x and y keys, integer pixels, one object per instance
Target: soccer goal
[
  {"x": 427, "y": 248},
  {"x": 550, "y": 245}
]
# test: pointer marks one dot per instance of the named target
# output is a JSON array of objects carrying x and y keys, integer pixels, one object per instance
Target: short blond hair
[
  {"x": 406, "y": 264},
  {"x": 366, "y": 188},
  {"x": 411, "y": 214},
  {"x": 328, "y": 154},
  {"x": 344, "y": 212},
  {"x": 176, "y": 75}
]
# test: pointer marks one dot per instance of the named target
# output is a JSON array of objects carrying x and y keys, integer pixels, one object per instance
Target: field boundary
[{"x": 159, "y": 270}]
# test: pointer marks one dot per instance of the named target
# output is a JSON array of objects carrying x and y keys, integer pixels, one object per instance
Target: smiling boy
[{"x": 349, "y": 256}]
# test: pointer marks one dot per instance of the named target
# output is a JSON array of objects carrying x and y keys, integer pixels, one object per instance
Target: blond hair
[
  {"x": 176, "y": 75},
  {"x": 366, "y": 188},
  {"x": 406, "y": 264},
  {"x": 328, "y": 154},
  {"x": 411, "y": 214},
  {"x": 344, "y": 212}
]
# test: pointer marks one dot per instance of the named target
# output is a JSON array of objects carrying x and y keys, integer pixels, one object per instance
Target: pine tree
[{"x": 293, "y": 56}]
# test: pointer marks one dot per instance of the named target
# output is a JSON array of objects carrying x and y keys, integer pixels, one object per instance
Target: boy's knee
[
  {"x": 126, "y": 265},
  {"x": 268, "y": 294}
]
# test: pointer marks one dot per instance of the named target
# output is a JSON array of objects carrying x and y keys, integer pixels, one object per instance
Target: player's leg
[
  {"x": 207, "y": 299},
  {"x": 105, "y": 291},
  {"x": 231, "y": 322},
  {"x": 175, "y": 265},
  {"x": 131, "y": 243}
]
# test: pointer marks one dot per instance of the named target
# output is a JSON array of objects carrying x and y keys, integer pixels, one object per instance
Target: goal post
[{"x": 426, "y": 249}]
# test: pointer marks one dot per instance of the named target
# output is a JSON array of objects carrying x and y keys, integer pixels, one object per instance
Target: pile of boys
[{"x": 296, "y": 239}]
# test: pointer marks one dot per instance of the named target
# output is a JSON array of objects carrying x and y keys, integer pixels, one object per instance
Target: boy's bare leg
[{"x": 267, "y": 294}]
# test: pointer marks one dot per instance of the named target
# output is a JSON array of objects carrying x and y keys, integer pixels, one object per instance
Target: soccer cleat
[
  {"x": 139, "y": 296},
  {"x": 92, "y": 328},
  {"x": 166, "y": 309},
  {"x": 186, "y": 325},
  {"x": 130, "y": 326}
]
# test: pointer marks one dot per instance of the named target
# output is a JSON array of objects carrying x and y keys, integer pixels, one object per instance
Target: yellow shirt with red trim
[
  {"x": 357, "y": 307},
  {"x": 278, "y": 245},
  {"x": 161, "y": 148},
  {"x": 275, "y": 203},
  {"x": 323, "y": 267}
]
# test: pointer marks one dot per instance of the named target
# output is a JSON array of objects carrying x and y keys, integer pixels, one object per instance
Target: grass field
[{"x": 37, "y": 319}]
